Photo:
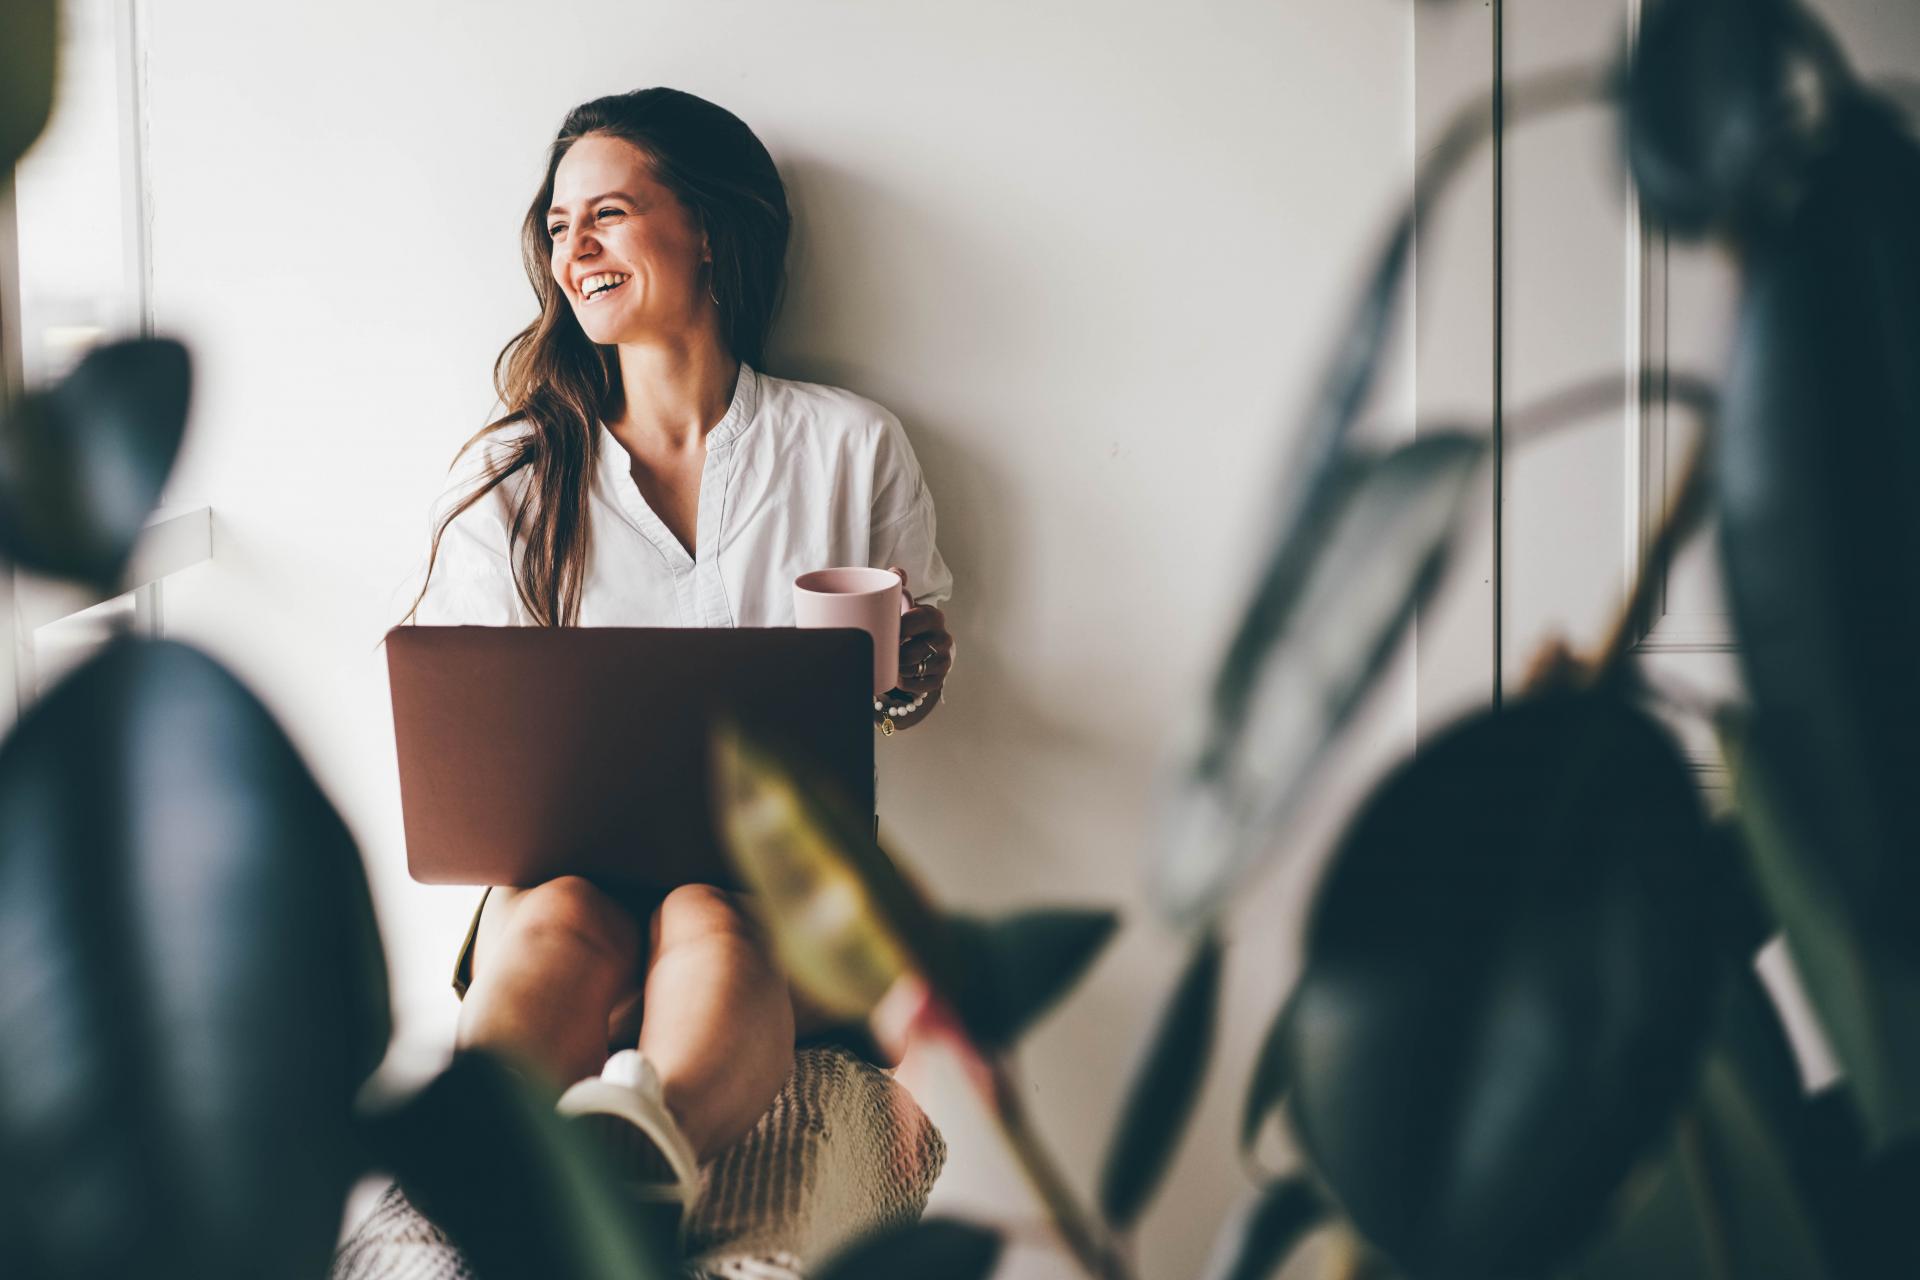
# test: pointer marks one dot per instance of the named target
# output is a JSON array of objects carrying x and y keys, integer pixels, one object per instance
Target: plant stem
[
  {"x": 1601, "y": 394},
  {"x": 1090, "y": 1243}
]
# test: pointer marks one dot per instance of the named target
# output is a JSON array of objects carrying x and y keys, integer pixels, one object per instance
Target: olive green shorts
[{"x": 463, "y": 966}]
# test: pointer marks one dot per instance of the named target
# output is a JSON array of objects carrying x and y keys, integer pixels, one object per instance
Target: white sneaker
[{"x": 629, "y": 1088}]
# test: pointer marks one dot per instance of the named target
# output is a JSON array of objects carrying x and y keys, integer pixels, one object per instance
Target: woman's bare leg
[
  {"x": 549, "y": 965},
  {"x": 718, "y": 1023},
  {"x": 554, "y": 968}
]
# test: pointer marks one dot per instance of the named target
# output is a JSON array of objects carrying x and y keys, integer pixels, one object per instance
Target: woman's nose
[{"x": 581, "y": 246}]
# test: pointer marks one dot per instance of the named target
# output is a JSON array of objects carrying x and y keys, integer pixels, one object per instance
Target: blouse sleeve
[
  {"x": 472, "y": 578},
  {"x": 903, "y": 519}
]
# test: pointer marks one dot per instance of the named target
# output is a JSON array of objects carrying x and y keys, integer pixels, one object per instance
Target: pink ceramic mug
[{"x": 871, "y": 599}]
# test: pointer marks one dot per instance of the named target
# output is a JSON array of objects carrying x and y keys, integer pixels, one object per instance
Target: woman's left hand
[{"x": 926, "y": 652}]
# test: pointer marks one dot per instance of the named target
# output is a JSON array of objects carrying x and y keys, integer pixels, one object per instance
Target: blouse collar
[{"x": 738, "y": 417}]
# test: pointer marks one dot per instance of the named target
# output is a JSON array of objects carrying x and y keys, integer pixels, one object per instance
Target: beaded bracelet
[
  {"x": 902, "y": 709},
  {"x": 895, "y": 712}
]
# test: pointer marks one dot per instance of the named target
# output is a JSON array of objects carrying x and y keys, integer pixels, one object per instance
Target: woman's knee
[
  {"x": 695, "y": 911},
  {"x": 574, "y": 912}
]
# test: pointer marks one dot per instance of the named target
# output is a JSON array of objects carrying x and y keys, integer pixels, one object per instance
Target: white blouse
[{"x": 797, "y": 477}]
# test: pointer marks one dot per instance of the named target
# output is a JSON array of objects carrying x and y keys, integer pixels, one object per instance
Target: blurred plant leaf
[
  {"x": 481, "y": 1153},
  {"x": 1765, "y": 1180},
  {"x": 1165, "y": 1087},
  {"x": 194, "y": 983},
  {"x": 1864, "y": 1199},
  {"x": 1219, "y": 824},
  {"x": 1720, "y": 119},
  {"x": 1737, "y": 1144},
  {"x": 1741, "y": 1165},
  {"x": 1014, "y": 968},
  {"x": 1506, "y": 985},
  {"x": 936, "y": 1249},
  {"x": 1336, "y": 597},
  {"x": 1719, "y": 1201},
  {"x": 1264, "y": 1231},
  {"x": 844, "y": 921},
  {"x": 1747, "y": 922},
  {"x": 82, "y": 464},
  {"x": 1866, "y": 993},
  {"x": 1270, "y": 1078},
  {"x": 1658, "y": 1234},
  {"x": 29, "y": 60},
  {"x": 1819, "y": 460}
]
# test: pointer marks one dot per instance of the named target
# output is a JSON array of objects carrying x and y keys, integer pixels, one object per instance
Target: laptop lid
[{"x": 533, "y": 752}]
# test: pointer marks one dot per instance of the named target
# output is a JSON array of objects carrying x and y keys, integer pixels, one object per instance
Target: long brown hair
[{"x": 559, "y": 383}]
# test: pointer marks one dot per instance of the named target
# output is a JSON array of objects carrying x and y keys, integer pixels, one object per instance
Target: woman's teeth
[{"x": 593, "y": 286}]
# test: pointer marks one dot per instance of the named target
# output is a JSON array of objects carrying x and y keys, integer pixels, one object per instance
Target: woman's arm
[{"x": 903, "y": 540}]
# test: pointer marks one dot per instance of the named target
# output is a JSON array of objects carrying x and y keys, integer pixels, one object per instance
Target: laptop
[{"x": 532, "y": 752}]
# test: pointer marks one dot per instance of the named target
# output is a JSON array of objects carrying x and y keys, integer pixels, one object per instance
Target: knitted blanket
[{"x": 842, "y": 1152}]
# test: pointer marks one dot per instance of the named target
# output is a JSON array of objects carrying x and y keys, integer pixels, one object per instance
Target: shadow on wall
[{"x": 875, "y": 284}]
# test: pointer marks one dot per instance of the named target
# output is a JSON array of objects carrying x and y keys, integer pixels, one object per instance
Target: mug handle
[{"x": 906, "y": 596}]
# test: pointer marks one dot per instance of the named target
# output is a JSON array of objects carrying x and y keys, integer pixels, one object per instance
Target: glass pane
[{"x": 79, "y": 257}]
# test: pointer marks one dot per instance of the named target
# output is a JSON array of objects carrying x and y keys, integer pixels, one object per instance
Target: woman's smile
[{"x": 594, "y": 287}]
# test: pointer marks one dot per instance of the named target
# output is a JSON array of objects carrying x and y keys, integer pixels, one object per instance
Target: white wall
[{"x": 1087, "y": 251}]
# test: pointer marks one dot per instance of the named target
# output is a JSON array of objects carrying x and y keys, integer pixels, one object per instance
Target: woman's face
[{"x": 613, "y": 225}]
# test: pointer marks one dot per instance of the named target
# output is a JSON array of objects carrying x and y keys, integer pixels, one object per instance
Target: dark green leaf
[
  {"x": 1719, "y": 130},
  {"x": 29, "y": 58},
  {"x": 1507, "y": 985},
  {"x": 1270, "y": 1078},
  {"x": 1867, "y": 992},
  {"x": 1016, "y": 967},
  {"x": 1659, "y": 1233},
  {"x": 1862, "y": 1199},
  {"x": 1716, "y": 1200},
  {"x": 1261, "y": 1234},
  {"x": 1762, "y": 1178},
  {"x": 936, "y": 1249},
  {"x": 1743, "y": 1179},
  {"x": 1819, "y": 460},
  {"x": 81, "y": 465},
  {"x": 194, "y": 988},
  {"x": 481, "y": 1153},
  {"x": 1165, "y": 1086},
  {"x": 1747, "y": 922},
  {"x": 1336, "y": 597},
  {"x": 1738, "y": 1145}
]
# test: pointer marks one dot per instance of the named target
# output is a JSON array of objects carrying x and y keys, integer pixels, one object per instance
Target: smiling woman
[
  {"x": 633, "y": 184},
  {"x": 647, "y": 474}
]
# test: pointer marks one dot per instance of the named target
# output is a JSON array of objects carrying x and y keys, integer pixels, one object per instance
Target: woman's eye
[{"x": 553, "y": 232}]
